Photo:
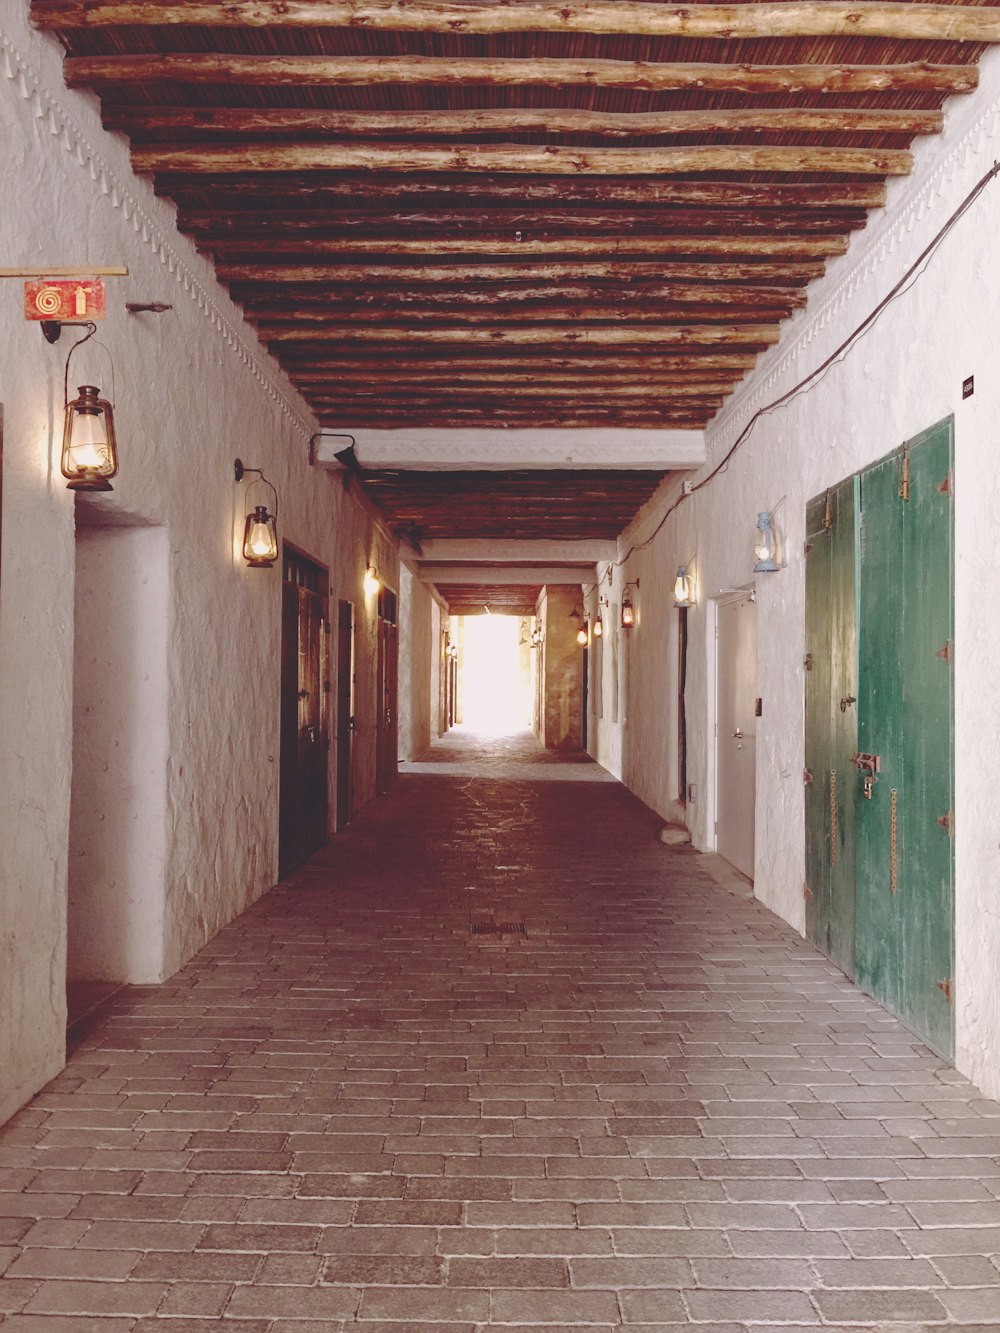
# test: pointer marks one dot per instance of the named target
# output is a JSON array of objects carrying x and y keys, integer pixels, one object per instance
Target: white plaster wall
[
  {"x": 193, "y": 390},
  {"x": 417, "y": 652},
  {"x": 903, "y": 376},
  {"x": 117, "y": 833}
]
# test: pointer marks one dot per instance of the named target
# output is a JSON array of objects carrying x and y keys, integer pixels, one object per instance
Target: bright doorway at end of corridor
[{"x": 495, "y": 684}]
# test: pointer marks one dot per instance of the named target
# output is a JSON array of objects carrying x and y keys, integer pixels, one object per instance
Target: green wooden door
[
  {"x": 831, "y": 729},
  {"x": 904, "y": 932}
]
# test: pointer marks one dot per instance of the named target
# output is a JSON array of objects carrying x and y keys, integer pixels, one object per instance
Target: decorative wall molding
[
  {"x": 911, "y": 200},
  {"x": 62, "y": 128}
]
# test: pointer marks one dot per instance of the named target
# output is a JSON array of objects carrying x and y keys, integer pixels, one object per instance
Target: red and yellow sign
[{"x": 64, "y": 298}]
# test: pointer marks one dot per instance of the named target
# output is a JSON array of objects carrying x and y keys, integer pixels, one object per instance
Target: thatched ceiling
[{"x": 453, "y": 213}]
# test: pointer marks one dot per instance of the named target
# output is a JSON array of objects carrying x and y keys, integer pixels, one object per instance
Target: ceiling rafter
[
  {"x": 932, "y": 22},
  {"x": 447, "y": 215}
]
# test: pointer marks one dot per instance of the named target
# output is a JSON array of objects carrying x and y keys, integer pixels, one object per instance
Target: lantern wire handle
[
  {"x": 240, "y": 470},
  {"x": 257, "y": 481},
  {"x": 91, "y": 330}
]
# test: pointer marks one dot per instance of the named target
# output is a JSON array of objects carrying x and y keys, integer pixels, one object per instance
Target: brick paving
[{"x": 656, "y": 1108}]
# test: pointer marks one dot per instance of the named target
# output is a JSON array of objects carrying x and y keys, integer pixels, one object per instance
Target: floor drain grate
[{"x": 499, "y": 928}]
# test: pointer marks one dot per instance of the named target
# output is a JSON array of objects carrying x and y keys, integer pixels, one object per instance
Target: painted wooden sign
[{"x": 64, "y": 298}]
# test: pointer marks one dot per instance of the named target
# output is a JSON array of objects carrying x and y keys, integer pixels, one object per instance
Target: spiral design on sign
[{"x": 48, "y": 301}]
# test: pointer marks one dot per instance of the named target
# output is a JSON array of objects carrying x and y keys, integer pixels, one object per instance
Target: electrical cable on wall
[{"x": 904, "y": 284}]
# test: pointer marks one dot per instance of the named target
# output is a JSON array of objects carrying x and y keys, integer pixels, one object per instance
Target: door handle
[{"x": 738, "y": 733}]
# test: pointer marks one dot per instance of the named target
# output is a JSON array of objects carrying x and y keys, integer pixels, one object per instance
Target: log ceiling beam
[
  {"x": 434, "y": 71},
  {"x": 315, "y": 305},
  {"x": 526, "y": 159},
  {"x": 678, "y": 383},
  {"x": 257, "y": 223},
  {"x": 504, "y": 394},
  {"x": 521, "y": 120},
  {"x": 620, "y": 361},
  {"x": 862, "y": 18},
  {"x": 347, "y": 191},
  {"x": 269, "y": 322},
  {"x": 788, "y": 271},
  {"x": 431, "y": 248},
  {"x": 504, "y": 417},
  {"x": 676, "y": 335}
]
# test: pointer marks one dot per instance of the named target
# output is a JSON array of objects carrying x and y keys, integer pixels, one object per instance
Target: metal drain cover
[{"x": 498, "y": 928}]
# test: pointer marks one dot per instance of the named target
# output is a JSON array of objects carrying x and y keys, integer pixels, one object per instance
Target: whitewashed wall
[
  {"x": 903, "y": 376},
  {"x": 193, "y": 391},
  {"x": 418, "y": 667}
]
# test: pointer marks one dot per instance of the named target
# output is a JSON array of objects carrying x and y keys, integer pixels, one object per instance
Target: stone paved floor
[{"x": 656, "y": 1109}]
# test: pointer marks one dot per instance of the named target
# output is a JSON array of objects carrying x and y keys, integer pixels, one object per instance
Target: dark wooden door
[
  {"x": 302, "y": 820},
  {"x": 736, "y": 739},
  {"x": 831, "y": 723},
  {"x": 387, "y": 668},
  {"x": 345, "y": 712}
]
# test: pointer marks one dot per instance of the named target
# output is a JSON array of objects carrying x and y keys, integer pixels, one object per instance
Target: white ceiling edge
[
  {"x": 506, "y": 575},
  {"x": 518, "y": 550},
  {"x": 500, "y": 450}
]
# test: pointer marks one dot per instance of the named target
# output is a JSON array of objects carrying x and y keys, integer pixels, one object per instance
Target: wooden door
[
  {"x": 905, "y": 911},
  {"x": 386, "y": 744},
  {"x": 736, "y": 731},
  {"x": 345, "y": 712},
  {"x": 879, "y": 851},
  {"x": 831, "y": 723},
  {"x": 302, "y": 819}
]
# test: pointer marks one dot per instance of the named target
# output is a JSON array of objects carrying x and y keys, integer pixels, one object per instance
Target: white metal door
[{"x": 736, "y": 742}]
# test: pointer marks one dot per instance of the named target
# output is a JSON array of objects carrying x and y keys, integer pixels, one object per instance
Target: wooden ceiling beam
[
  {"x": 500, "y": 418},
  {"x": 430, "y": 249},
  {"x": 270, "y": 322},
  {"x": 521, "y": 159},
  {"x": 206, "y": 120},
  {"x": 710, "y": 387},
  {"x": 345, "y": 191},
  {"x": 544, "y": 335},
  {"x": 448, "y": 360},
  {"x": 862, "y": 18},
  {"x": 313, "y": 305},
  {"x": 433, "y": 71},
  {"x": 785, "y": 271},
  {"x": 442, "y": 395},
  {"x": 714, "y": 380},
  {"x": 581, "y": 221}
]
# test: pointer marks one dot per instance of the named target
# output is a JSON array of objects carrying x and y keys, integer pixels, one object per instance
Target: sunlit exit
[{"x": 495, "y": 675}]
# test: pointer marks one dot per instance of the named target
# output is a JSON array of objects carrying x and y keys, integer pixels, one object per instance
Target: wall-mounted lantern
[
  {"x": 684, "y": 589},
  {"x": 372, "y": 582},
  {"x": 628, "y": 610},
  {"x": 260, "y": 531},
  {"x": 599, "y": 622},
  {"x": 89, "y": 450},
  {"x": 768, "y": 546},
  {"x": 583, "y": 633},
  {"x": 89, "y": 456}
]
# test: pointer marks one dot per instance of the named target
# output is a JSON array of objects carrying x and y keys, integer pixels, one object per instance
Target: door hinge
[
  {"x": 945, "y": 653},
  {"x": 806, "y": 891},
  {"x": 808, "y": 548},
  {"x": 946, "y": 987},
  {"x": 808, "y": 661},
  {"x": 945, "y": 487},
  {"x": 947, "y": 822},
  {"x": 904, "y": 483},
  {"x": 807, "y": 776}
]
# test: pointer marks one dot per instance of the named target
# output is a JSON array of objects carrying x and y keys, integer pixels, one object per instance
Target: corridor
[{"x": 496, "y": 1058}]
